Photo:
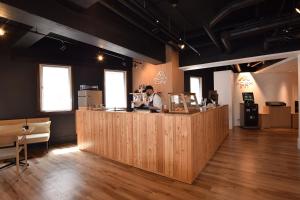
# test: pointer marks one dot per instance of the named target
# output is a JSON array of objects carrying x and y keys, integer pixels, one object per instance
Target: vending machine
[{"x": 249, "y": 111}]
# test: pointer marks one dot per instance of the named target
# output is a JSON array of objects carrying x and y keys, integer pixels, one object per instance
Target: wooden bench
[{"x": 40, "y": 128}]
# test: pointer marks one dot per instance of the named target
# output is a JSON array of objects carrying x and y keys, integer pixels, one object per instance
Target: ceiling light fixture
[
  {"x": 123, "y": 63},
  {"x": 63, "y": 47},
  {"x": 181, "y": 46},
  {"x": 100, "y": 57},
  {"x": 2, "y": 32}
]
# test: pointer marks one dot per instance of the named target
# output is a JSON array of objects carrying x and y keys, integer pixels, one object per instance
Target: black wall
[{"x": 19, "y": 89}]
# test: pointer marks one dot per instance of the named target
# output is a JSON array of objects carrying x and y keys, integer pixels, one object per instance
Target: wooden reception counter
[{"x": 174, "y": 145}]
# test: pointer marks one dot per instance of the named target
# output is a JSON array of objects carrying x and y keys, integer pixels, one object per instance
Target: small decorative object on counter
[
  {"x": 165, "y": 109},
  {"x": 87, "y": 99},
  {"x": 183, "y": 103}
]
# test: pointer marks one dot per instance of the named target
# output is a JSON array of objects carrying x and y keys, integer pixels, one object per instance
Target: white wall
[
  {"x": 223, "y": 83},
  {"x": 266, "y": 87}
]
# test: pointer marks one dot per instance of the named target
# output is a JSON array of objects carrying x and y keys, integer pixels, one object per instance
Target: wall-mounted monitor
[{"x": 248, "y": 96}]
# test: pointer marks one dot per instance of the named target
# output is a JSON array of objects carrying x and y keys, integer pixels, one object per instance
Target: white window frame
[
  {"x": 41, "y": 87},
  {"x": 125, "y": 83},
  {"x": 201, "y": 85}
]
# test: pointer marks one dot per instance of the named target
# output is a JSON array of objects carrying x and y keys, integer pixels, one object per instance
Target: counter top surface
[{"x": 148, "y": 112}]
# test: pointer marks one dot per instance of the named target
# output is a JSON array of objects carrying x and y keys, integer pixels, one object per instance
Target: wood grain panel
[
  {"x": 250, "y": 165},
  {"x": 279, "y": 116},
  {"x": 173, "y": 145}
]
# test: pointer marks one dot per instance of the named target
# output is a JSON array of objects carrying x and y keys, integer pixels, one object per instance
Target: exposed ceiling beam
[
  {"x": 84, "y": 3},
  {"x": 242, "y": 60},
  {"x": 28, "y": 40},
  {"x": 144, "y": 13},
  {"x": 45, "y": 26},
  {"x": 133, "y": 22},
  {"x": 287, "y": 60},
  {"x": 212, "y": 37}
]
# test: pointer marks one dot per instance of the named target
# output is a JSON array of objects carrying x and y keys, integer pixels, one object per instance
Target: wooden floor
[{"x": 250, "y": 165}]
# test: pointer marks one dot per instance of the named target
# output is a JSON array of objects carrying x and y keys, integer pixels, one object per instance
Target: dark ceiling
[
  {"x": 209, "y": 28},
  {"x": 223, "y": 24}
]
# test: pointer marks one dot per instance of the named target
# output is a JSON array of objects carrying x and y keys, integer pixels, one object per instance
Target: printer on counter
[{"x": 275, "y": 103}]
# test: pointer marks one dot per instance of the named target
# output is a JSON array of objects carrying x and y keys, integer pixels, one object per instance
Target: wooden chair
[{"x": 12, "y": 143}]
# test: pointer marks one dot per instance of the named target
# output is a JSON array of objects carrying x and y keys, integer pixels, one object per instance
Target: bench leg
[
  {"x": 47, "y": 146},
  {"x": 25, "y": 155}
]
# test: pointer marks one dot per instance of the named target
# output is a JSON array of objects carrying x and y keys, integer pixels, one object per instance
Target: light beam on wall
[{"x": 2, "y": 32}]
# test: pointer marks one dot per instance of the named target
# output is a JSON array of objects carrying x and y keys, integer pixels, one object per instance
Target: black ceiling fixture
[
  {"x": 173, "y": 3},
  {"x": 136, "y": 63},
  {"x": 297, "y": 6},
  {"x": 63, "y": 46},
  {"x": 253, "y": 66},
  {"x": 102, "y": 53}
]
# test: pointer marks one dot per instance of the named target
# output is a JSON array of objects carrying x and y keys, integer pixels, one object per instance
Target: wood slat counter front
[{"x": 177, "y": 146}]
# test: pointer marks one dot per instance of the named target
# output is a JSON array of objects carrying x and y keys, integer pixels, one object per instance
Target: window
[
  {"x": 55, "y": 88},
  {"x": 115, "y": 89},
  {"x": 196, "y": 87}
]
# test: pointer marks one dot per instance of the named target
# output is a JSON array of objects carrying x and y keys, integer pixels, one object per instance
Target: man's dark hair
[{"x": 148, "y": 87}]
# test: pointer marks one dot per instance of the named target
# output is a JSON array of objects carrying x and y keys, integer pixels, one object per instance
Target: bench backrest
[
  {"x": 37, "y": 120},
  {"x": 12, "y": 122},
  {"x": 23, "y": 121}
]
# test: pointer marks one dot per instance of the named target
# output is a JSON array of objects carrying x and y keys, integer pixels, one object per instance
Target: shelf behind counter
[{"x": 177, "y": 146}]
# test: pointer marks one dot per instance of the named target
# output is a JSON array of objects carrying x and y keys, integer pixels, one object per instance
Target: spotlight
[
  {"x": 181, "y": 46},
  {"x": 100, "y": 57},
  {"x": 297, "y": 9},
  {"x": 63, "y": 47},
  {"x": 2, "y": 32}
]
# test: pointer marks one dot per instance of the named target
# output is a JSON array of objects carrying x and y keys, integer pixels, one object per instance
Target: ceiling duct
[
  {"x": 256, "y": 28},
  {"x": 231, "y": 8}
]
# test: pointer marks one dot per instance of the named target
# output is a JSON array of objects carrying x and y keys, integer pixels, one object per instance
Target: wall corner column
[{"x": 299, "y": 98}]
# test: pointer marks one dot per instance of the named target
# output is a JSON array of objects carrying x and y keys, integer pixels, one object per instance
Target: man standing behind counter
[{"x": 154, "y": 100}]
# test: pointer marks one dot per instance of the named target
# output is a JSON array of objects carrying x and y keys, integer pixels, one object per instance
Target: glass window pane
[
  {"x": 115, "y": 89},
  {"x": 56, "y": 89},
  {"x": 196, "y": 87}
]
